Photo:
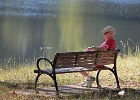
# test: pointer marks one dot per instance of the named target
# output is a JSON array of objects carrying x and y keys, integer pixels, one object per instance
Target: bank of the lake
[{"x": 23, "y": 77}]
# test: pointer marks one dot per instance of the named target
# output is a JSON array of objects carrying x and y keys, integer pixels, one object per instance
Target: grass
[{"x": 22, "y": 77}]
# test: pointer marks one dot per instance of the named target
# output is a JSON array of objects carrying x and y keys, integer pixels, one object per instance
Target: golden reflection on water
[{"x": 71, "y": 27}]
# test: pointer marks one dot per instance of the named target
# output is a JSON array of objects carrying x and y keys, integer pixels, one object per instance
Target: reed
[{"x": 22, "y": 77}]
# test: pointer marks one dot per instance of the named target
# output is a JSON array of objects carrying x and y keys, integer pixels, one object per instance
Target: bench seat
[{"x": 70, "y": 70}]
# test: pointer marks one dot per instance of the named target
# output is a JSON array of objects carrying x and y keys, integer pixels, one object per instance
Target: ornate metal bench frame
[{"x": 77, "y": 62}]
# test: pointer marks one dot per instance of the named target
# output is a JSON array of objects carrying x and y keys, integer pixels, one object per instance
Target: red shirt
[{"x": 109, "y": 44}]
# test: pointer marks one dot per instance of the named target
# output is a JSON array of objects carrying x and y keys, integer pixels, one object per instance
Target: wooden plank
[
  {"x": 83, "y": 59},
  {"x": 104, "y": 63},
  {"x": 105, "y": 58},
  {"x": 65, "y": 60}
]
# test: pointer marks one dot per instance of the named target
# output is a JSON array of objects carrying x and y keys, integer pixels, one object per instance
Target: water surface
[{"x": 33, "y": 28}]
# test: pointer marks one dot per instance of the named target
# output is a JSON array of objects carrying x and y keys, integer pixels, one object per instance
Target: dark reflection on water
[
  {"x": 33, "y": 28},
  {"x": 45, "y": 8}
]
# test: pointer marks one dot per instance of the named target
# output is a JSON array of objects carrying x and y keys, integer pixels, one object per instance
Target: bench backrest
[{"x": 85, "y": 59}]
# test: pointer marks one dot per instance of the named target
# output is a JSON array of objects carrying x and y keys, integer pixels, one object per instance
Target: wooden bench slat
[{"x": 72, "y": 64}]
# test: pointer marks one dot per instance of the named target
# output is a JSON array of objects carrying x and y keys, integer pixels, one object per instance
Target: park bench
[{"x": 77, "y": 62}]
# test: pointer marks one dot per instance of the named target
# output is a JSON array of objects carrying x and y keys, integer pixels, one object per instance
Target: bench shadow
[{"x": 73, "y": 91}]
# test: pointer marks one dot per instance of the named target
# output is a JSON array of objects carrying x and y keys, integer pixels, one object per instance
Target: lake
[{"x": 33, "y": 28}]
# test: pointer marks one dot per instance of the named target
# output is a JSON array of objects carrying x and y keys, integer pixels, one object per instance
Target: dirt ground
[
  {"x": 69, "y": 90},
  {"x": 65, "y": 90}
]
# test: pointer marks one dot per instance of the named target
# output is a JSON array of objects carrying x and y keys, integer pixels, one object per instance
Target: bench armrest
[{"x": 39, "y": 59}]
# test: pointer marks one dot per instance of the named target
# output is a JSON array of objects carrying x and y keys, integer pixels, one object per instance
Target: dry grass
[{"x": 128, "y": 67}]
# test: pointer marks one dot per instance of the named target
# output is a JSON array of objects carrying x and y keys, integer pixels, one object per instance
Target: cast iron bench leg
[
  {"x": 55, "y": 82},
  {"x": 36, "y": 81},
  {"x": 97, "y": 80},
  {"x": 115, "y": 74}
]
